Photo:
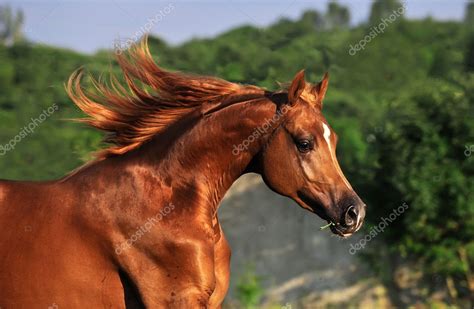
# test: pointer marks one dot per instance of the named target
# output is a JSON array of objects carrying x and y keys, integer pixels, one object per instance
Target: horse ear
[
  {"x": 297, "y": 87},
  {"x": 320, "y": 89}
]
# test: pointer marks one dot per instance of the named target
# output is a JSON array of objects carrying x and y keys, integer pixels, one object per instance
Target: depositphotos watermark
[
  {"x": 145, "y": 228},
  {"x": 261, "y": 130},
  {"x": 377, "y": 29},
  {"x": 469, "y": 150},
  {"x": 379, "y": 228},
  {"x": 121, "y": 46},
  {"x": 28, "y": 129}
]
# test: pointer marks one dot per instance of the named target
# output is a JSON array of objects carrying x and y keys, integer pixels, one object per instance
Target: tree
[
  {"x": 441, "y": 62},
  {"x": 337, "y": 16},
  {"x": 469, "y": 54},
  {"x": 10, "y": 25},
  {"x": 469, "y": 17},
  {"x": 383, "y": 8},
  {"x": 425, "y": 159},
  {"x": 313, "y": 19}
]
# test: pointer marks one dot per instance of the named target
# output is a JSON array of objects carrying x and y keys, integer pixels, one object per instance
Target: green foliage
[
  {"x": 382, "y": 9},
  {"x": 337, "y": 16},
  {"x": 10, "y": 25},
  {"x": 32, "y": 79},
  {"x": 313, "y": 20},
  {"x": 469, "y": 17},
  {"x": 249, "y": 289},
  {"x": 422, "y": 160},
  {"x": 469, "y": 57}
]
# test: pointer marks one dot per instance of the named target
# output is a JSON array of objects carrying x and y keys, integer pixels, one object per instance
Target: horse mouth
[
  {"x": 337, "y": 225},
  {"x": 336, "y": 229}
]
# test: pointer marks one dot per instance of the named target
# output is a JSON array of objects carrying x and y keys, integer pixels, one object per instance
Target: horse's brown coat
[{"x": 158, "y": 187}]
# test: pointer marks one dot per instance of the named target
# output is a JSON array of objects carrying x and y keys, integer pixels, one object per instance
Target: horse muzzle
[{"x": 351, "y": 220}]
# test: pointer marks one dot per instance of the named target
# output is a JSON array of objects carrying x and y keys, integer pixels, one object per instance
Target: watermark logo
[
  {"x": 261, "y": 130},
  {"x": 28, "y": 129},
  {"x": 145, "y": 228},
  {"x": 122, "y": 46},
  {"x": 469, "y": 150},
  {"x": 377, "y": 29},
  {"x": 379, "y": 228}
]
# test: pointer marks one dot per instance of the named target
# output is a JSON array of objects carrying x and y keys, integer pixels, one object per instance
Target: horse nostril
[{"x": 350, "y": 217}]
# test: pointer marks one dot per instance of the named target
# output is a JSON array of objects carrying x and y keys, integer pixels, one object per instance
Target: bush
[{"x": 423, "y": 159}]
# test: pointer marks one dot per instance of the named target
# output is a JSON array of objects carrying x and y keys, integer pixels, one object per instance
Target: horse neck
[
  {"x": 194, "y": 163},
  {"x": 217, "y": 150}
]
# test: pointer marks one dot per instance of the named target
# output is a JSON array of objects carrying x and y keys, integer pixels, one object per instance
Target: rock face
[{"x": 284, "y": 244}]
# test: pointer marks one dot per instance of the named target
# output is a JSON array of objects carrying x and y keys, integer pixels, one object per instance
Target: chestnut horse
[{"x": 138, "y": 226}]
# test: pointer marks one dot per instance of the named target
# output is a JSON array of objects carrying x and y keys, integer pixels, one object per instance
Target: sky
[{"x": 88, "y": 25}]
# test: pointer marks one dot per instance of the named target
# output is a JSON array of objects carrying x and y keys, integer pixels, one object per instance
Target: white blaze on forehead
[{"x": 327, "y": 135}]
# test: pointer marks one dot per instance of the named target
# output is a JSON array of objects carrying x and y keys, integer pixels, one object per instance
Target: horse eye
[{"x": 303, "y": 145}]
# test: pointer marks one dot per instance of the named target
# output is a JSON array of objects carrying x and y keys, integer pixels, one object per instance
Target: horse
[{"x": 138, "y": 226}]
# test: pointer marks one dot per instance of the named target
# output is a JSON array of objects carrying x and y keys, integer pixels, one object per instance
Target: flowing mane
[{"x": 132, "y": 115}]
